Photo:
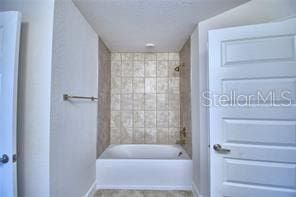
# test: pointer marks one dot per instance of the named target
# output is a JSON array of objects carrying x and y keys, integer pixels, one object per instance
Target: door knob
[
  {"x": 4, "y": 159},
  {"x": 219, "y": 148}
]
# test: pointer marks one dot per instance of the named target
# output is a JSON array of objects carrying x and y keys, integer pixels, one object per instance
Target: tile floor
[{"x": 137, "y": 193}]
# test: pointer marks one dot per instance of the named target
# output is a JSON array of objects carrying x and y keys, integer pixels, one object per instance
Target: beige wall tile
[
  {"x": 150, "y": 102},
  {"x": 162, "y": 102},
  {"x": 150, "y": 119},
  {"x": 150, "y": 68},
  {"x": 162, "y": 120},
  {"x": 116, "y": 85},
  {"x": 150, "y": 56},
  {"x": 174, "y": 56},
  {"x": 115, "y": 102},
  {"x": 139, "y": 85},
  {"x": 162, "y": 85},
  {"x": 139, "y": 57},
  {"x": 126, "y": 85},
  {"x": 174, "y": 101},
  {"x": 174, "y": 135},
  {"x": 139, "y": 102},
  {"x": 139, "y": 119},
  {"x": 127, "y": 69},
  {"x": 145, "y": 88},
  {"x": 162, "y": 56},
  {"x": 139, "y": 136},
  {"x": 162, "y": 135},
  {"x": 150, "y": 136},
  {"x": 139, "y": 69},
  {"x": 126, "y": 119},
  {"x": 172, "y": 66},
  {"x": 115, "y": 119},
  {"x": 162, "y": 68},
  {"x": 150, "y": 85},
  {"x": 115, "y": 57},
  {"x": 174, "y": 118},
  {"x": 116, "y": 69},
  {"x": 115, "y": 136},
  {"x": 127, "y": 102},
  {"x": 174, "y": 87},
  {"x": 126, "y": 135},
  {"x": 127, "y": 56}
]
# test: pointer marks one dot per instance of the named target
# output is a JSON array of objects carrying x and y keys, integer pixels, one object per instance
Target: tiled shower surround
[{"x": 145, "y": 98}]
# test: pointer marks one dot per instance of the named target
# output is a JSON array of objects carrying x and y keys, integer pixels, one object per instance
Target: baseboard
[
  {"x": 92, "y": 190},
  {"x": 195, "y": 190}
]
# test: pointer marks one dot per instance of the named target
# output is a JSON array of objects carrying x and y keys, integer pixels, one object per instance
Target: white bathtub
[{"x": 147, "y": 167}]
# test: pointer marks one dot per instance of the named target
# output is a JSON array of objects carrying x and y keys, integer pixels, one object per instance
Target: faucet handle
[{"x": 183, "y": 132}]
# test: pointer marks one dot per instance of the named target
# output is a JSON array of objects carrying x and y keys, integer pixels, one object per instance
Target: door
[
  {"x": 9, "y": 47},
  {"x": 252, "y": 80}
]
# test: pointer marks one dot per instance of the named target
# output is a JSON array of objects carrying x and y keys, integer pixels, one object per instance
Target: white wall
[
  {"x": 73, "y": 124},
  {"x": 34, "y": 94},
  {"x": 253, "y": 12}
]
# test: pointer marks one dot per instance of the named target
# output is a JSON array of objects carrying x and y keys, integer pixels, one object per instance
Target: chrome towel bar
[{"x": 68, "y": 97}]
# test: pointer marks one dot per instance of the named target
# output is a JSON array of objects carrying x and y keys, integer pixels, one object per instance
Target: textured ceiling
[{"x": 127, "y": 25}]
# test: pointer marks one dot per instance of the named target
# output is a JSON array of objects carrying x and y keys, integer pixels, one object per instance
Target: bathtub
[{"x": 144, "y": 167}]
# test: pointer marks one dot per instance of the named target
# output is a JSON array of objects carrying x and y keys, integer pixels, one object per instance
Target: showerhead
[{"x": 178, "y": 68}]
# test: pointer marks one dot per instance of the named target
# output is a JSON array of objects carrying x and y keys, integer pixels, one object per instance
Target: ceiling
[{"x": 127, "y": 25}]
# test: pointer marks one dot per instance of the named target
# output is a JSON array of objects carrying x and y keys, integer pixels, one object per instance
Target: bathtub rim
[{"x": 187, "y": 157}]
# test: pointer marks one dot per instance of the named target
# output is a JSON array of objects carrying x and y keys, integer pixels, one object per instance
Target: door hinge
[{"x": 14, "y": 158}]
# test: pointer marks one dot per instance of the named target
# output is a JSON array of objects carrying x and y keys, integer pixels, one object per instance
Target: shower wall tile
[
  {"x": 172, "y": 66},
  {"x": 162, "y": 136},
  {"x": 126, "y": 85},
  {"x": 127, "y": 56},
  {"x": 173, "y": 135},
  {"x": 126, "y": 119},
  {"x": 139, "y": 136},
  {"x": 145, "y": 99},
  {"x": 116, "y": 69},
  {"x": 150, "y": 119},
  {"x": 162, "y": 68},
  {"x": 139, "y": 85},
  {"x": 126, "y": 102},
  {"x": 115, "y": 135},
  {"x": 127, "y": 69},
  {"x": 139, "y": 69},
  {"x": 150, "y": 102},
  {"x": 115, "y": 102},
  {"x": 115, "y": 119},
  {"x": 185, "y": 96},
  {"x": 162, "y": 119},
  {"x": 150, "y": 68},
  {"x": 174, "y": 56},
  {"x": 150, "y": 56},
  {"x": 150, "y": 85},
  {"x": 174, "y": 85},
  {"x": 174, "y": 118},
  {"x": 150, "y": 136},
  {"x": 162, "y": 85},
  {"x": 162, "y": 102},
  {"x": 162, "y": 56},
  {"x": 174, "y": 101},
  {"x": 139, "y": 57},
  {"x": 115, "y": 57},
  {"x": 139, "y": 119},
  {"x": 126, "y": 135},
  {"x": 139, "y": 102},
  {"x": 116, "y": 85},
  {"x": 104, "y": 103}
]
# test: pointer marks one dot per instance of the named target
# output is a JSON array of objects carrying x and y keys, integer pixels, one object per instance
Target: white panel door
[
  {"x": 253, "y": 140},
  {"x": 9, "y": 49}
]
